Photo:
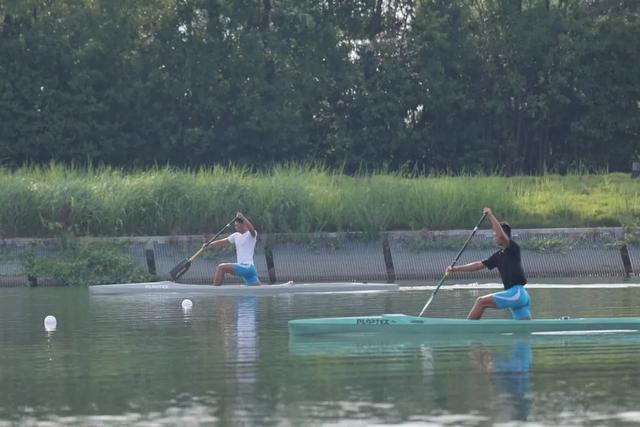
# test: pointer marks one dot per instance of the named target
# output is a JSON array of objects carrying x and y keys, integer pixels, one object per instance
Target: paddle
[
  {"x": 183, "y": 266},
  {"x": 452, "y": 264}
]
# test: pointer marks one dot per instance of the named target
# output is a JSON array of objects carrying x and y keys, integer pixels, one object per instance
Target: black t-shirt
[{"x": 509, "y": 265}]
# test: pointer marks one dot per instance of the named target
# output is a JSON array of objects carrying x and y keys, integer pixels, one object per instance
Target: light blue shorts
[
  {"x": 247, "y": 272},
  {"x": 515, "y": 299}
]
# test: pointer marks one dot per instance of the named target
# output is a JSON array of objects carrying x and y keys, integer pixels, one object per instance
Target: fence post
[
  {"x": 33, "y": 281},
  {"x": 626, "y": 260},
  {"x": 388, "y": 260},
  {"x": 268, "y": 253},
  {"x": 151, "y": 257}
]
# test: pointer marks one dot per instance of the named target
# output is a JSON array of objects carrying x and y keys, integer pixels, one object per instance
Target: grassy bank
[{"x": 40, "y": 201}]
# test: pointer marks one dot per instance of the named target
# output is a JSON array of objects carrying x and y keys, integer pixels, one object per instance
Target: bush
[{"x": 82, "y": 263}]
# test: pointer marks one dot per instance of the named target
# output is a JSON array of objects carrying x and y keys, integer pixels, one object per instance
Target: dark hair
[
  {"x": 507, "y": 229},
  {"x": 238, "y": 220}
]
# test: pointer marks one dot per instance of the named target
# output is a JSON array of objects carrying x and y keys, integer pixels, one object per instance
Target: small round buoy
[
  {"x": 50, "y": 323},
  {"x": 187, "y": 304}
]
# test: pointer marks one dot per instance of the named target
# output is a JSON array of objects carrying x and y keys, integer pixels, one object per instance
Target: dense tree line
[{"x": 493, "y": 85}]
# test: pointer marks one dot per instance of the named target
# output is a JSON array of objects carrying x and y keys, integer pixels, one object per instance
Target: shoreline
[{"x": 393, "y": 256}]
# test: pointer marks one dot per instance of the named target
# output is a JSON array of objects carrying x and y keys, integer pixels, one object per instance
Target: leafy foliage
[
  {"x": 83, "y": 263},
  {"x": 410, "y": 85},
  {"x": 38, "y": 202}
]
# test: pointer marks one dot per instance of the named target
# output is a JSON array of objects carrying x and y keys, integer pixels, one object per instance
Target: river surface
[{"x": 143, "y": 360}]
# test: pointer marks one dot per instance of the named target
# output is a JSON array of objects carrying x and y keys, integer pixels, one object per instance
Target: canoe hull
[
  {"x": 240, "y": 290},
  {"x": 402, "y": 324}
]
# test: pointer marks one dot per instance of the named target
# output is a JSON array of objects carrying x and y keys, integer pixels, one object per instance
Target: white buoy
[
  {"x": 50, "y": 323},
  {"x": 187, "y": 304}
]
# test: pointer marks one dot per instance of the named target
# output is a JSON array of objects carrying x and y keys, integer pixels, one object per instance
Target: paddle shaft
[
  {"x": 184, "y": 265},
  {"x": 205, "y": 244},
  {"x": 441, "y": 282}
]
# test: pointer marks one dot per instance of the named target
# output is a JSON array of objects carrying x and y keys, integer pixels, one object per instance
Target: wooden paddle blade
[{"x": 180, "y": 269}]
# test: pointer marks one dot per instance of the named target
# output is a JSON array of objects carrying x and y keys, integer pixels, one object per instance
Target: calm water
[{"x": 230, "y": 361}]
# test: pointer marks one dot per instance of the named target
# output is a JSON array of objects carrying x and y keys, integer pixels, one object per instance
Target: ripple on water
[{"x": 136, "y": 361}]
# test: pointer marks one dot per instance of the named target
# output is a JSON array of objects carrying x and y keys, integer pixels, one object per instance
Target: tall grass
[{"x": 108, "y": 201}]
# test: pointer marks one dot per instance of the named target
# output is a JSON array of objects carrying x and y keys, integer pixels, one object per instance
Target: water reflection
[
  {"x": 509, "y": 369},
  {"x": 492, "y": 375},
  {"x": 237, "y": 325},
  {"x": 230, "y": 361},
  {"x": 246, "y": 337}
]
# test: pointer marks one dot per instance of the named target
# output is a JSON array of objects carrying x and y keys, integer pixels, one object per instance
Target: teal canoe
[{"x": 403, "y": 324}]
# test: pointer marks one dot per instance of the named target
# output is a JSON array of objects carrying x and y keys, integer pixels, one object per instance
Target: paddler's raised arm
[
  {"x": 497, "y": 228},
  {"x": 244, "y": 219}
]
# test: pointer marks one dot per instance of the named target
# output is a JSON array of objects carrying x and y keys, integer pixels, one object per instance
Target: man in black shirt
[{"x": 507, "y": 260}]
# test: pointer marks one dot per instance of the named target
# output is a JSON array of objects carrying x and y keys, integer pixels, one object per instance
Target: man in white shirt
[{"x": 245, "y": 241}]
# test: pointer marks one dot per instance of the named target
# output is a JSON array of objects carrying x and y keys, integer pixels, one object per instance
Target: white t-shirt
[{"x": 245, "y": 245}]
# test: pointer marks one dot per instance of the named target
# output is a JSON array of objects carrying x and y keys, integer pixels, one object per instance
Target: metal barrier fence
[{"x": 392, "y": 256}]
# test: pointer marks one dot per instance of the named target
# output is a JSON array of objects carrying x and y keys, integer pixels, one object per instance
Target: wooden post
[
  {"x": 151, "y": 257},
  {"x": 388, "y": 260},
  {"x": 268, "y": 253},
  {"x": 626, "y": 260},
  {"x": 32, "y": 280}
]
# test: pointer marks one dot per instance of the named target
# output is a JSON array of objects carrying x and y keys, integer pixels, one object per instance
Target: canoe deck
[
  {"x": 402, "y": 324},
  {"x": 232, "y": 290}
]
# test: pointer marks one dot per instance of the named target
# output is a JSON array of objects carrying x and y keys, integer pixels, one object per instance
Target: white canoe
[{"x": 231, "y": 290}]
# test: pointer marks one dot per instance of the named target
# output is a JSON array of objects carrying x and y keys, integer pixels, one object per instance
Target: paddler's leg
[
  {"x": 480, "y": 305},
  {"x": 251, "y": 277},
  {"x": 221, "y": 270},
  {"x": 523, "y": 311},
  {"x": 248, "y": 273},
  {"x": 516, "y": 299}
]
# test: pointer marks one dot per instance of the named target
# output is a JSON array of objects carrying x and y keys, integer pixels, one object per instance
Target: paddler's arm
[
  {"x": 218, "y": 243},
  {"x": 497, "y": 228},
  {"x": 472, "y": 266},
  {"x": 244, "y": 219}
]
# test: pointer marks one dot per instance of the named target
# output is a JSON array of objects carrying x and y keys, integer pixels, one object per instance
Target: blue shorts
[
  {"x": 247, "y": 272},
  {"x": 515, "y": 299}
]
